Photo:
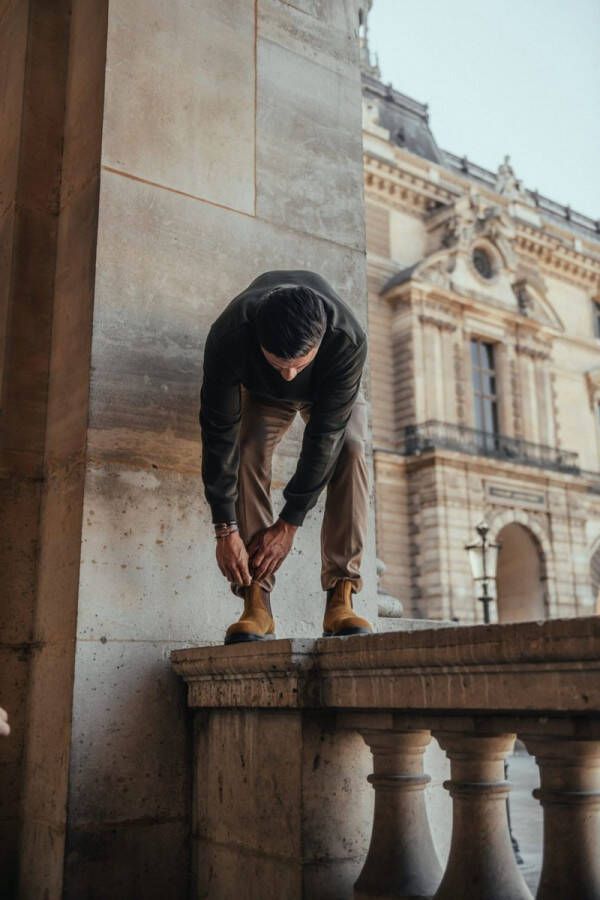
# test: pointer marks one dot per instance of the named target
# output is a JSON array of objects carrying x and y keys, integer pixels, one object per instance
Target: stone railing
[
  {"x": 430, "y": 435},
  {"x": 279, "y": 797}
]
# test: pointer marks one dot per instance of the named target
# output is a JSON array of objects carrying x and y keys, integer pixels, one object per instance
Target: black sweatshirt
[{"x": 233, "y": 357}]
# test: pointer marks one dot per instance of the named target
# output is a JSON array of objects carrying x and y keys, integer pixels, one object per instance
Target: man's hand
[
  {"x": 268, "y": 549},
  {"x": 4, "y": 726},
  {"x": 232, "y": 559}
]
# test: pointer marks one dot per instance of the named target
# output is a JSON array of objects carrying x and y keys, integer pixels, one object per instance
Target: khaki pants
[{"x": 344, "y": 525}]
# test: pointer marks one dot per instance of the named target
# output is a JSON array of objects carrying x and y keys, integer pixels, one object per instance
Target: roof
[
  {"x": 407, "y": 121},
  {"x": 399, "y": 278}
]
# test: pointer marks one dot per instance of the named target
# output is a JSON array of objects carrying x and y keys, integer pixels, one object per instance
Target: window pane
[
  {"x": 478, "y": 414},
  {"x": 488, "y": 383},
  {"x": 488, "y": 416},
  {"x": 488, "y": 355}
]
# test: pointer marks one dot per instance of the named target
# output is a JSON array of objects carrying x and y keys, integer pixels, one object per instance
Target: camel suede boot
[
  {"x": 256, "y": 622},
  {"x": 340, "y": 619}
]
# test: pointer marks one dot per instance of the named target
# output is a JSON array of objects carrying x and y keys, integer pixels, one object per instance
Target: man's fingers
[
  {"x": 254, "y": 544},
  {"x": 256, "y": 552},
  {"x": 274, "y": 565},
  {"x": 266, "y": 567}
]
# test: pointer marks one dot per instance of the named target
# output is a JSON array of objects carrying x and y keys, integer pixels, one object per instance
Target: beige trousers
[{"x": 345, "y": 518}]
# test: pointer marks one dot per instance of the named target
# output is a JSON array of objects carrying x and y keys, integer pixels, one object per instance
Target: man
[{"x": 286, "y": 344}]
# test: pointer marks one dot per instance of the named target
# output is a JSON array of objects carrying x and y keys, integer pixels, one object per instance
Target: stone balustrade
[{"x": 281, "y": 799}]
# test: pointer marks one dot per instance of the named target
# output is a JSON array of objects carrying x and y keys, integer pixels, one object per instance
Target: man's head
[{"x": 291, "y": 322}]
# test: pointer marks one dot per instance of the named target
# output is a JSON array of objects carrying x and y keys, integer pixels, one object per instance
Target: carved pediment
[
  {"x": 531, "y": 293},
  {"x": 470, "y": 219}
]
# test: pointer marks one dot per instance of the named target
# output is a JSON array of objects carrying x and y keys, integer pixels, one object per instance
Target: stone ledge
[{"x": 524, "y": 668}]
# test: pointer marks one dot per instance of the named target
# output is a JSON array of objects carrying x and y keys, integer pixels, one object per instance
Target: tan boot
[
  {"x": 256, "y": 622},
  {"x": 340, "y": 619}
]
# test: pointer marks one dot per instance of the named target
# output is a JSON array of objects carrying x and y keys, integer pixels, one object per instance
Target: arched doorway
[{"x": 520, "y": 576}]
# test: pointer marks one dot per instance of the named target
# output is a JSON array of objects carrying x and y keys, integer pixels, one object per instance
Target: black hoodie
[{"x": 233, "y": 357}]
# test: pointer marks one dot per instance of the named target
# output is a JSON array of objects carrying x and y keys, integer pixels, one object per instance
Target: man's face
[{"x": 289, "y": 368}]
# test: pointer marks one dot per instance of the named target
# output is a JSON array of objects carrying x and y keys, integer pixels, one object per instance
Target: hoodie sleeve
[
  {"x": 220, "y": 416},
  {"x": 324, "y": 432}
]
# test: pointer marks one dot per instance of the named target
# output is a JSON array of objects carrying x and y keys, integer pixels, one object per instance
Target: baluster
[
  {"x": 402, "y": 862},
  {"x": 481, "y": 865},
  {"x": 570, "y": 796}
]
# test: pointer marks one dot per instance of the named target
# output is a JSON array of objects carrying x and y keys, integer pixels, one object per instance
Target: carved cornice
[
  {"x": 391, "y": 185},
  {"x": 442, "y": 324},
  {"x": 564, "y": 257},
  {"x": 556, "y": 256},
  {"x": 532, "y": 352}
]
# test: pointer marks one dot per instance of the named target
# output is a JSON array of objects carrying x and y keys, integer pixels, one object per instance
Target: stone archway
[{"x": 521, "y": 589}]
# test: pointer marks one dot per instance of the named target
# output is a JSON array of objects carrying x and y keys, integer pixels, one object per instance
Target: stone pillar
[
  {"x": 402, "y": 862},
  {"x": 570, "y": 796},
  {"x": 481, "y": 865}
]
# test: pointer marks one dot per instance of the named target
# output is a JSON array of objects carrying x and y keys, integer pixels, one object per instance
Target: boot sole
[
  {"x": 248, "y": 638},
  {"x": 346, "y": 632}
]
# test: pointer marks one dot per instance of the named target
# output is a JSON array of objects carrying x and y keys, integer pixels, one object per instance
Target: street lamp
[{"x": 483, "y": 557}]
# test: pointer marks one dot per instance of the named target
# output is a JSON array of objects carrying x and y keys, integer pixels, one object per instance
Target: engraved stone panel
[{"x": 180, "y": 87}]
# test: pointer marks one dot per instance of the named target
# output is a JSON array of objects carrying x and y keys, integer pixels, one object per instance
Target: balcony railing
[
  {"x": 431, "y": 435},
  {"x": 281, "y": 805}
]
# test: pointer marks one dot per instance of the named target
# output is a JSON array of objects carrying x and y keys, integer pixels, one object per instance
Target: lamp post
[{"x": 483, "y": 557}]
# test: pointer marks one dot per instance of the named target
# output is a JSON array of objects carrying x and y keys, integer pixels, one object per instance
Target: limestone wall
[
  {"x": 53, "y": 75},
  {"x": 231, "y": 145}
]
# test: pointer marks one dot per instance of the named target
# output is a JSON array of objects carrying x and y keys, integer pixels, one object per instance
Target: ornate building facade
[{"x": 484, "y": 316}]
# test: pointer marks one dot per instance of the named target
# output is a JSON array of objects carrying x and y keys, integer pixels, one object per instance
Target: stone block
[
  {"x": 148, "y": 568},
  {"x": 182, "y": 76},
  {"x": 148, "y": 859},
  {"x": 158, "y": 290},
  {"x": 282, "y": 805},
  {"x": 226, "y": 872},
  {"x": 45, "y": 767},
  {"x": 252, "y": 779},
  {"x": 337, "y": 800},
  {"x": 128, "y": 757},
  {"x": 311, "y": 115},
  {"x": 14, "y": 675},
  {"x": 326, "y": 36},
  {"x": 19, "y": 513}
]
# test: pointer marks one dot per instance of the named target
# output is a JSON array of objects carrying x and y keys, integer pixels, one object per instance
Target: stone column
[
  {"x": 570, "y": 796},
  {"x": 481, "y": 865},
  {"x": 402, "y": 862}
]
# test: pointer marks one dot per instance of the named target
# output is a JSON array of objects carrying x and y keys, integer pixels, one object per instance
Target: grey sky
[{"x": 518, "y": 76}]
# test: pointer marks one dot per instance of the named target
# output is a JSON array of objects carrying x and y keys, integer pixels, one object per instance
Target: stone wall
[
  {"x": 231, "y": 145},
  {"x": 53, "y": 67},
  {"x": 182, "y": 149}
]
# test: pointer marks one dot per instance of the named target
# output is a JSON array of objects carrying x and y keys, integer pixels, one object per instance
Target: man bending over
[{"x": 286, "y": 345}]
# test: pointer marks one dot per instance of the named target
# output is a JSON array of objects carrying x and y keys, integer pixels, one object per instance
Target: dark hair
[{"x": 290, "y": 321}]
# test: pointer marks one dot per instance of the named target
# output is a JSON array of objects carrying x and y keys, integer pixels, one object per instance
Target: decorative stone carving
[
  {"x": 592, "y": 380},
  {"x": 506, "y": 181},
  {"x": 524, "y": 298}
]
